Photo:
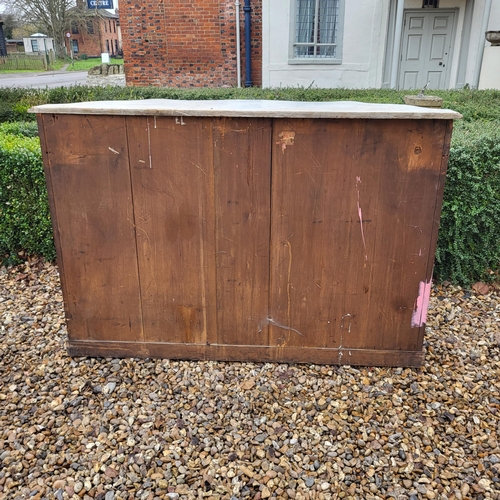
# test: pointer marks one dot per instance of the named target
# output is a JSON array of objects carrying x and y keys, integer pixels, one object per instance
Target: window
[
  {"x": 114, "y": 27},
  {"x": 74, "y": 28},
  {"x": 317, "y": 31},
  {"x": 432, "y": 4},
  {"x": 34, "y": 45},
  {"x": 107, "y": 46},
  {"x": 90, "y": 26},
  {"x": 116, "y": 46},
  {"x": 74, "y": 46},
  {"x": 105, "y": 27}
]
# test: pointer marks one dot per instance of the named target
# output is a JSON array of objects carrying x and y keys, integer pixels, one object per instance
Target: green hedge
[
  {"x": 25, "y": 226},
  {"x": 469, "y": 236},
  {"x": 15, "y": 102},
  {"x": 469, "y": 242}
]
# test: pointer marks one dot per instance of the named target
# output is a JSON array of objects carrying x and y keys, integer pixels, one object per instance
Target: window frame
[
  {"x": 34, "y": 43},
  {"x": 293, "y": 59}
]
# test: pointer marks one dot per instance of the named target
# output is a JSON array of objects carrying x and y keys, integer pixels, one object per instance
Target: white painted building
[
  {"x": 38, "y": 42},
  {"x": 379, "y": 43}
]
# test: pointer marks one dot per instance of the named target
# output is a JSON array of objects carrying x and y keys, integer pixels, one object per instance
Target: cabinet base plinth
[{"x": 214, "y": 352}]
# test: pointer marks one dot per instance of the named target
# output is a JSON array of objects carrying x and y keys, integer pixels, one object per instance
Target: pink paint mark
[
  {"x": 360, "y": 215},
  {"x": 419, "y": 316}
]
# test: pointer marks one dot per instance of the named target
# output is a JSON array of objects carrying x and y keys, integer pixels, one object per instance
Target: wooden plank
[
  {"x": 353, "y": 209},
  {"x": 439, "y": 128},
  {"x": 90, "y": 197},
  {"x": 173, "y": 187},
  {"x": 354, "y": 357},
  {"x": 242, "y": 162},
  {"x": 41, "y": 119}
]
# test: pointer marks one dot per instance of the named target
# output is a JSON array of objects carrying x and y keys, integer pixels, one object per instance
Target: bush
[
  {"x": 24, "y": 214},
  {"x": 26, "y": 129},
  {"x": 469, "y": 237},
  {"x": 473, "y": 104},
  {"x": 468, "y": 247}
]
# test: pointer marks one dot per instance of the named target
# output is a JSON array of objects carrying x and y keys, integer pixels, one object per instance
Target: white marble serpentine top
[{"x": 249, "y": 108}]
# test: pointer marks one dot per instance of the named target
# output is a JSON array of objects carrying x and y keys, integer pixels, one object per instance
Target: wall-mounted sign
[{"x": 100, "y": 4}]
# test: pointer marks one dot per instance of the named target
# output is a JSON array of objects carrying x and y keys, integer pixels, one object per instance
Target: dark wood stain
[
  {"x": 245, "y": 239},
  {"x": 242, "y": 164},
  {"x": 90, "y": 197}
]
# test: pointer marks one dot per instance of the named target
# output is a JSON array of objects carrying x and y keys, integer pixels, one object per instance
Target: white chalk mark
[
  {"x": 113, "y": 151},
  {"x": 155, "y": 121},
  {"x": 193, "y": 163},
  {"x": 360, "y": 215},
  {"x": 271, "y": 321},
  {"x": 179, "y": 121},
  {"x": 342, "y": 325},
  {"x": 142, "y": 161},
  {"x": 149, "y": 145}
]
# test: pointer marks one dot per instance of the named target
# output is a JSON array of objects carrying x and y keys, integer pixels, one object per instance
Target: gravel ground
[{"x": 127, "y": 428}]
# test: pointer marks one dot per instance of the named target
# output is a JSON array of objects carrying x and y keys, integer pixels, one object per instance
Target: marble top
[{"x": 249, "y": 108}]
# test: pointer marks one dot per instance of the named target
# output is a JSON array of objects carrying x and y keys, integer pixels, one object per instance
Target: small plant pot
[
  {"x": 493, "y": 37},
  {"x": 426, "y": 101}
]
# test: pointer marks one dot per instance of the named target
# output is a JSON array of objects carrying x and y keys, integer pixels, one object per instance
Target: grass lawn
[
  {"x": 15, "y": 71},
  {"x": 78, "y": 65},
  {"x": 57, "y": 65},
  {"x": 86, "y": 64}
]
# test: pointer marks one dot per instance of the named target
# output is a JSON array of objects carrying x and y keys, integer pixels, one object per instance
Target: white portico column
[{"x": 398, "y": 29}]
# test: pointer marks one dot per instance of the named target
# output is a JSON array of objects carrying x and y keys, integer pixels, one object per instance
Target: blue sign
[{"x": 100, "y": 4}]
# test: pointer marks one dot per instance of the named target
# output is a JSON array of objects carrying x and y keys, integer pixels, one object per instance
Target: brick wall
[
  {"x": 94, "y": 43},
  {"x": 186, "y": 43}
]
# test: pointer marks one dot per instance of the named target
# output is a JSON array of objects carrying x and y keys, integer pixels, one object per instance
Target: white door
[{"x": 426, "y": 51}]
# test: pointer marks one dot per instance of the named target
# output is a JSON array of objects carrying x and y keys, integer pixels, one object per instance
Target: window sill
[{"x": 313, "y": 61}]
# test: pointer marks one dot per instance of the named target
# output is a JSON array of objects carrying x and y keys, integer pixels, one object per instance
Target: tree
[
  {"x": 51, "y": 17},
  {"x": 9, "y": 24}
]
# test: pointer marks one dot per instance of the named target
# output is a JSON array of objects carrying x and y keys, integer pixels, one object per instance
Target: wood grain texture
[
  {"x": 253, "y": 353},
  {"x": 173, "y": 187},
  {"x": 242, "y": 163},
  {"x": 88, "y": 177},
  {"x": 353, "y": 215},
  {"x": 246, "y": 239}
]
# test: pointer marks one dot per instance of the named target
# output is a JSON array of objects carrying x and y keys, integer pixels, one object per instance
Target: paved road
[{"x": 49, "y": 79}]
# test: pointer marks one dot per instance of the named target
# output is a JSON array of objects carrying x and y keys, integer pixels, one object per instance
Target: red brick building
[
  {"x": 95, "y": 32},
  {"x": 188, "y": 43}
]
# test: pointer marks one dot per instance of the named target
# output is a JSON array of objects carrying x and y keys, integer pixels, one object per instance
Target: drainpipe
[
  {"x": 248, "y": 44},
  {"x": 396, "y": 49},
  {"x": 238, "y": 48},
  {"x": 480, "y": 52}
]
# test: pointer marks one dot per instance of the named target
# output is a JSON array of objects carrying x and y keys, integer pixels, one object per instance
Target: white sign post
[{"x": 68, "y": 35}]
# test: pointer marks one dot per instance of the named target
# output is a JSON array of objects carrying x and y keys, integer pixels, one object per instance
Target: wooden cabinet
[{"x": 246, "y": 230}]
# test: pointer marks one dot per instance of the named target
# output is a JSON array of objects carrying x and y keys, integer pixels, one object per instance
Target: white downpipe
[
  {"x": 396, "y": 51},
  {"x": 238, "y": 48},
  {"x": 480, "y": 52}
]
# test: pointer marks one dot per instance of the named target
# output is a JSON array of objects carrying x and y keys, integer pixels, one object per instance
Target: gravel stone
[{"x": 123, "y": 429}]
